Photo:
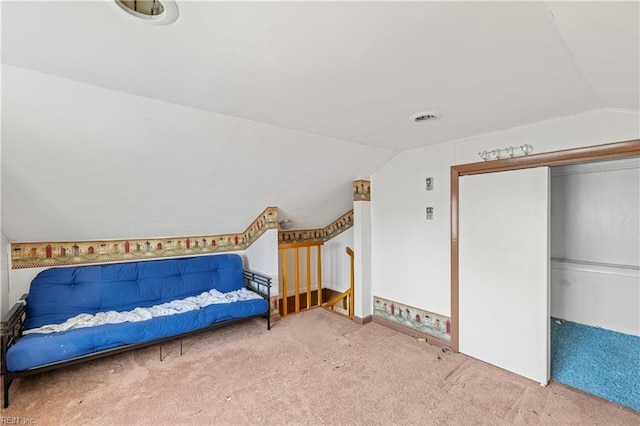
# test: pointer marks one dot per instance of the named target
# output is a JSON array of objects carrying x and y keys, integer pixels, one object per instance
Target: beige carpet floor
[{"x": 311, "y": 368}]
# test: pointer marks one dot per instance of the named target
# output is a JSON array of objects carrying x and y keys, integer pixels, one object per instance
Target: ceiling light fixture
[
  {"x": 424, "y": 116},
  {"x": 144, "y": 7},
  {"x": 157, "y": 12}
]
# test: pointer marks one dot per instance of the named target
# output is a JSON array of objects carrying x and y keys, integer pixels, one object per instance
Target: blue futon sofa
[{"x": 59, "y": 294}]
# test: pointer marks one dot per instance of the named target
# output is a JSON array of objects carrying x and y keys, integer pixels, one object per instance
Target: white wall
[
  {"x": 411, "y": 256},
  {"x": 118, "y": 156},
  {"x": 595, "y": 244},
  {"x": 19, "y": 281},
  {"x": 262, "y": 257},
  {"x": 4, "y": 241},
  {"x": 574, "y": 131},
  {"x": 363, "y": 293},
  {"x": 4, "y": 275},
  {"x": 335, "y": 261},
  {"x": 596, "y": 295}
]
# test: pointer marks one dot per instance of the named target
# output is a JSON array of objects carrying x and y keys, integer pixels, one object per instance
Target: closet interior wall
[{"x": 595, "y": 244}]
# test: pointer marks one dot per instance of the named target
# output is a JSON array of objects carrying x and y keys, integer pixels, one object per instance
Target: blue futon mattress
[{"x": 34, "y": 350}]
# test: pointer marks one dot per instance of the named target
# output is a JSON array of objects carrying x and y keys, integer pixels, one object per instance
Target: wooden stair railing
[
  {"x": 349, "y": 293},
  {"x": 306, "y": 247}
]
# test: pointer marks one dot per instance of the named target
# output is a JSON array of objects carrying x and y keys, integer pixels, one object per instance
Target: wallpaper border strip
[
  {"x": 47, "y": 254},
  {"x": 334, "y": 229},
  {"x": 361, "y": 192},
  {"x": 409, "y": 316}
]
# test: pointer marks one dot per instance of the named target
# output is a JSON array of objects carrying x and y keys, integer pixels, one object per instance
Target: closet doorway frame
[{"x": 608, "y": 151}]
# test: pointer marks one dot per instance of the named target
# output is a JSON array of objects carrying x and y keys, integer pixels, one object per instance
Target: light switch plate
[{"x": 429, "y": 183}]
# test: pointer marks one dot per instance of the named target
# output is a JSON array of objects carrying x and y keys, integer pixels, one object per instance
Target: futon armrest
[
  {"x": 259, "y": 283},
  {"x": 12, "y": 325}
]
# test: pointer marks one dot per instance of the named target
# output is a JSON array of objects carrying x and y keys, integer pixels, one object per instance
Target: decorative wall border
[
  {"x": 46, "y": 254},
  {"x": 334, "y": 229},
  {"x": 338, "y": 226},
  {"x": 424, "y": 321},
  {"x": 361, "y": 190}
]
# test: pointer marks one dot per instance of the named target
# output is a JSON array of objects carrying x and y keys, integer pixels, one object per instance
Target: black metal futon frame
[{"x": 13, "y": 323}]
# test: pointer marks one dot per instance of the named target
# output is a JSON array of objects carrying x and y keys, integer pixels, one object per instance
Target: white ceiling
[{"x": 307, "y": 92}]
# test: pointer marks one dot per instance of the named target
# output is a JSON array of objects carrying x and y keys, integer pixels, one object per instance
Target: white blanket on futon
[{"x": 142, "y": 314}]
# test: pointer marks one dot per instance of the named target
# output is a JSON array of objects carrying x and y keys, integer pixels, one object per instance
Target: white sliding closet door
[{"x": 504, "y": 270}]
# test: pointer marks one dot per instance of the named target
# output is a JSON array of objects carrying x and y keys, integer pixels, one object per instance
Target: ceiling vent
[
  {"x": 424, "y": 116},
  {"x": 154, "y": 12}
]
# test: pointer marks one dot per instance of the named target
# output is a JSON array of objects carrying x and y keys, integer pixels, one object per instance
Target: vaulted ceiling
[{"x": 113, "y": 128}]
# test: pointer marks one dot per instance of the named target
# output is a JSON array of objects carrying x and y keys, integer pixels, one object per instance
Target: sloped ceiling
[{"x": 112, "y": 128}]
